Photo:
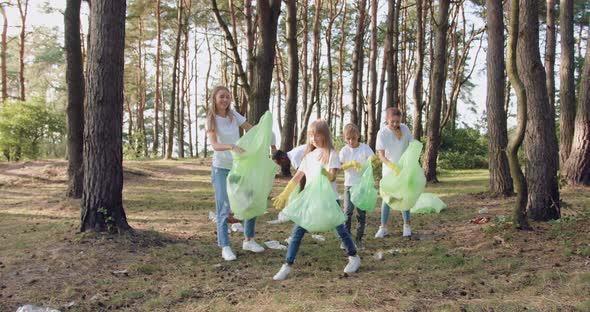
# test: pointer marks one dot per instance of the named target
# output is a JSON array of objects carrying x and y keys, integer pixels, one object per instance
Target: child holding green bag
[
  {"x": 353, "y": 156},
  {"x": 319, "y": 156}
]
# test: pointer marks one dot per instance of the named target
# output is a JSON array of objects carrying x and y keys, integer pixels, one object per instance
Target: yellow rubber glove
[
  {"x": 328, "y": 175},
  {"x": 393, "y": 167},
  {"x": 352, "y": 164},
  {"x": 280, "y": 201}
]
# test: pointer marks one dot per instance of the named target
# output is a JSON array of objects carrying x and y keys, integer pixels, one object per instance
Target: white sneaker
[
  {"x": 283, "y": 273},
  {"x": 354, "y": 262},
  {"x": 407, "y": 230},
  {"x": 252, "y": 246},
  {"x": 227, "y": 254},
  {"x": 381, "y": 233}
]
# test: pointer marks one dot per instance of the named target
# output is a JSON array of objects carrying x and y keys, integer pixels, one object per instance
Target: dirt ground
[{"x": 171, "y": 262}]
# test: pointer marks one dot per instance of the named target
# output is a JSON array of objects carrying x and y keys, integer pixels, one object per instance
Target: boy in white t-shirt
[
  {"x": 392, "y": 142},
  {"x": 353, "y": 157}
]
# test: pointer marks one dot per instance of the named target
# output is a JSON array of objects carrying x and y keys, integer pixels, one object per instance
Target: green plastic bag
[
  {"x": 401, "y": 191},
  {"x": 428, "y": 203},
  {"x": 250, "y": 179},
  {"x": 315, "y": 208},
  {"x": 364, "y": 194}
]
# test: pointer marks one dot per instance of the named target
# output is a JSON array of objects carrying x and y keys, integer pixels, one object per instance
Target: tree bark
[
  {"x": 23, "y": 8},
  {"x": 540, "y": 139},
  {"x": 102, "y": 200},
  {"x": 305, "y": 87},
  {"x": 438, "y": 83},
  {"x": 567, "y": 89},
  {"x": 551, "y": 39},
  {"x": 356, "y": 63},
  {"x": 372, "y": 105},
  {"x": 156, "y": 144},
  {"x": 341, "y": 67},
  {"x": 576, "y": 170},
  {"x": 500, "y": 180},
  {"x": 3, "y": 55},
  {"x": 170, "y": 145},
  {"x": 418, "y": 84},
  {"x": 288, "y": 133},
  {"x": 75, "y": 107},
  {"x": 315, "y": 67},
  {"x": 389, "y": 44}
]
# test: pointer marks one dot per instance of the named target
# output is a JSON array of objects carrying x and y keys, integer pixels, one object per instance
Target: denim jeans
[
  {"x": 385, "y": 214},
  {"x": 297, "y": 236},
  {"x": 219, "y": 181},
  {"x": 361, "y": 216}
]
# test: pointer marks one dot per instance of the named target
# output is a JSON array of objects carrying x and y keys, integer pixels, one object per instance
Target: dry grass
[{"x": 173, "y": 262}]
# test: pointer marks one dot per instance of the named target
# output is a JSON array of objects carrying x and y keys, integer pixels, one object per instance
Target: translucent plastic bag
[
  {"x": 364, "y": 194},
  {"x": 428, "y": 203},
  {"x": 401, "y": 191},
  {"x": 315, "y": 208},
  {"x": 250, "y": 179}
]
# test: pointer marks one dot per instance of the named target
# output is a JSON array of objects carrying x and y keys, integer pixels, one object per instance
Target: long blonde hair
[
  {"x": 212, "y": 111},
  {"x": 320, "y": 127}
]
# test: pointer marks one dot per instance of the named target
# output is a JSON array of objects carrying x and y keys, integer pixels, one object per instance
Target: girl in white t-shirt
[
  {"x": 392, "y": 142},
  {"x": 223, "y": 132},
  {"x": 319, "y": 156},
  {"x": 353, "y": 157}
]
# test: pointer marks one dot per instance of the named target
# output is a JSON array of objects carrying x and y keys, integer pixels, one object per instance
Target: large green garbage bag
[
  {"x": 401, "y": 191},
  {"x": 250, "y": 179},
  {"x": 428, "y": 203},
  {"x": 364, "y": 194},
  {"x": 315, "y": 208}
]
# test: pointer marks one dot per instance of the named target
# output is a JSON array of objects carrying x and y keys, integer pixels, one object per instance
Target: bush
[
  {"x": 25, "y": 126},
  {"x": 463, "y": 149}
]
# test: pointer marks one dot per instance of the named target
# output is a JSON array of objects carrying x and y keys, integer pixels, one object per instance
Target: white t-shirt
[
  {"x": 228, "y": 132},
  {"x": 347, "y": 154},
  {"x": 296, "y": 155},
  {"x": 393, "y": 147},
  {"x": 311, "y": 165}
]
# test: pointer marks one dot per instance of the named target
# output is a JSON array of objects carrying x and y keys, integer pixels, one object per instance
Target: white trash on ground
[
  {"x": 273, "y": 244},
  {"x": 318, "y": 237}
]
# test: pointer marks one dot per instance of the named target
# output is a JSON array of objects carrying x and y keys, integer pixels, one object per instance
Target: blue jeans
[
  {"x": 297, "y": 236},
  {"x": 361, "y": 216},
  {"x": 219, "y": 181},
  {"x": 385, "y": 214}
]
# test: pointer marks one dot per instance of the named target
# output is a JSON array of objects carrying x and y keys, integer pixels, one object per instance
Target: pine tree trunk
[
  {"x": 315, "y": 67},
  {"x": 288, "y": 133},
  {"x": 540, "y": 139},
  {"x": 418, "y": 84},
  {"x": 356, "y": 64},
  {"x": 372, "y": 105},
  {"x": 577, "y": 167},
  {"x": 156, "y": 144},
  {"x": 389, "y": 43},
  {"x": 341, "y": 67},
  {"x": 551, "y": 38},
  {"x": 500, "y": 180},
  {"x": 169, "y": 147},
  {"x": 567, "y": 89},
  {"x": 438, "y": 83},
  {"x": 75, "y": 108},
  {"x": 3, "y": 55},
  {"x": 23, "y": 7},
  {"x": 102, "y": 200}
]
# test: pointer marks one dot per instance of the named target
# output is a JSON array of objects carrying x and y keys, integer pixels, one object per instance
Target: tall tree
[
  {"x": 418, "y": 85},
  {"x": 500, "y": 180},
  {"x": 577, "y": 167},
  {"x": 304, "y": 65},
  {"x": 341, "y": 66},
  {"x": 328, "y": 37},
  {"x": 267, "y": 13},
  {"x": 540, "y": 139},
  {"x": 438, "y": 83},
  {"x": 75, "y": 106},
  {"x": 3, "y": 55},
  {"x": 551, "y": 39},
  {"x": 357, "y": 63},
  {"x": 315, "y": 66},
  {"x": 389, "y": 55},
  {"x": 288, "y": 133},
  {"x": 156, "y": 144},
  {"x": 23, "y": 8},
  {"x": 102, "y": 200},
  {"x": 372, "y": 105},
  {"x": 520, "y": 183},
  {"x": 567, "y": 89},
  {"x": 171, "y": 124}
]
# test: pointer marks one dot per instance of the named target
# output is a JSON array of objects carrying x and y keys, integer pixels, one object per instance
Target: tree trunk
[
  {"x": 356, "y": 63},
  {"x": 567, "y": 93},
  {"x": 157, "y": 91},
  {"x": 520, "y": 183},
  {"x": 196, "y": 74},
  {"x": 315, "y": 67},
  {"x": 304, "y": 68},
  {"x": 540, "y": 139},
  {"x": 3, "y": 55},
  {"x": 395, "y": 58},
  {"x": 341, "y": 67},
  {"x": 75, "y": 108},
  {"x": 288, "y": 133},
  {"x": 576, "y": 170},
  {"x": 169, "y": 147},
  {"x": 418, "y": 85},
  {"x": 389, "y": 42},
  {"x": 372, "y": 105},
  {"x": 438, "y": 83},
  {"x": 333, "y": 16},
  {"x": 267, "y": 16},
  {"x": 500, "y": 180},
  {"x": 102, "y": 200},
  {"x": 207, "y": 75},
  {"x": 551, "y": 38},
  {"x": 23, "y": 7}
]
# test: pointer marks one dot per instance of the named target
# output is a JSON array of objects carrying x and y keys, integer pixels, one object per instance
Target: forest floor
[{"x": 172, "y": 263}]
